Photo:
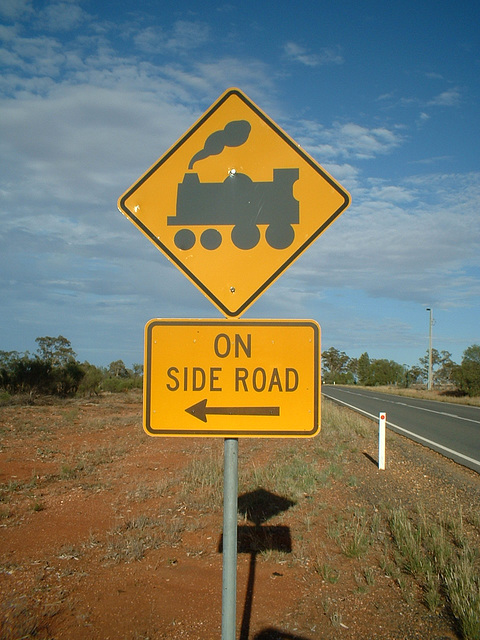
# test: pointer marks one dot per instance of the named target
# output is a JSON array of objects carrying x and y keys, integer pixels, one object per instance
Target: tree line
[
  {"x": 339, "y": 368},
  {"x": 54, "y": 370}
]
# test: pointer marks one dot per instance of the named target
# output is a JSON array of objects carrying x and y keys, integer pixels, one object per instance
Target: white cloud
[
  {"x": 184, "y": 37},
  {"x": 7, "y": 34},
  {"x": 187, "y": 35},
  {"x": 35, "y": 56},
  {"x": 14, "y": 9},
  {"x": 422, "y": 118},
  {"x": 61, "y": 16},
  {"x": 70, "y": 145},
  {"x": 325, "y": 56},
  {"x": 348, "y": 175},
  {"x": 79, "y": 142},
  {"x": 449, "y": 98},
  {"x": 418, "y": 240},
  {"x": 391, "y": 193},
  {"x": 82, "y": 117},
  {"x": 349, "y": 140},
  {"x": 367, "y": 143}
]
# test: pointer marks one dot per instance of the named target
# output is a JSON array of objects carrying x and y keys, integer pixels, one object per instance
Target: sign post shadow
[{"x": 257, "y": 506}]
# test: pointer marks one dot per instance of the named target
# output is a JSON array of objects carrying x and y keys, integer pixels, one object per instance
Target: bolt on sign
[
  {"x": 234, "y": 202},
  {"x": 232, "y": 378}
]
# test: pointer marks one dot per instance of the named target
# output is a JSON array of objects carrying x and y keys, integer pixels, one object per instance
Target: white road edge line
[
  {"x": 412, "y": 406},
  {"x": 410, "y": 433}
]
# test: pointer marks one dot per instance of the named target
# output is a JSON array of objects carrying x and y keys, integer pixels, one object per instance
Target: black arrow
[{"x": 200, "y": 411}]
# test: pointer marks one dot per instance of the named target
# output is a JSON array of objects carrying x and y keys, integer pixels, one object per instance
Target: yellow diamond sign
[{"x": 234, "y": 202}]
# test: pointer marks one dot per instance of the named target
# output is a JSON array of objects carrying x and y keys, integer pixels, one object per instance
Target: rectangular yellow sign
[{"x": 232, "y": 378}]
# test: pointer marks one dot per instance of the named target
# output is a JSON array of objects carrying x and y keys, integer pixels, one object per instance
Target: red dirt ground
[{"x": 108, "y": 533}]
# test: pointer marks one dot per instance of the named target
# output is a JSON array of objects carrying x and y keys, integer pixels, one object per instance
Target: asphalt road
[{"x": 450, "y": 429}]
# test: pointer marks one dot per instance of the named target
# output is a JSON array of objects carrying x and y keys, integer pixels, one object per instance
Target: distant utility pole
[{"x": 429, "y": 384}]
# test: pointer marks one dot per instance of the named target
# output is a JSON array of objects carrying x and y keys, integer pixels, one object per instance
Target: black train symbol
[{"x": 236, "y": 201}]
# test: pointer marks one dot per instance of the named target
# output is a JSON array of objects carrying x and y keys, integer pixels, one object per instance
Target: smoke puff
[{"x": 234, "y": 134}]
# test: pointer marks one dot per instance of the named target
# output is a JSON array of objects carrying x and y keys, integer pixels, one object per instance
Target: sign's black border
[
  {"x": 234, "y": 313},
  {"x": 225, "y": 433}
]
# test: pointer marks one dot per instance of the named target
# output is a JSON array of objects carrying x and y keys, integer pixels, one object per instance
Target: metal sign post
[
  {"x": 236, "y": 378},
  {"x": 233, "y": 203},
  {"x": 230, "y": 507}
]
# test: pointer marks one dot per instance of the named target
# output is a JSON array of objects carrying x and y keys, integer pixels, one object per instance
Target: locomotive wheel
[
  {"x": 245, "y": 237},
  {"x": 279, "y": 236},
  {"x": 184, "y": 239},
  {"x": 211, "y": 239}
]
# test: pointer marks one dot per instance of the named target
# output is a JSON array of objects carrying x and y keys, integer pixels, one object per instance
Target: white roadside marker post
[{"x": 382, "y": 422}]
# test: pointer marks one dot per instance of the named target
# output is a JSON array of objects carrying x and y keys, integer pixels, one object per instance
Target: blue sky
[{"x": 385, "y": 96}]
